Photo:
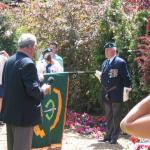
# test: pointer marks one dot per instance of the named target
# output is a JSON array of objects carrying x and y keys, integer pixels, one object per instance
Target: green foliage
[
  {"x": 81, "y": 28},
  {"x": 141, "y": 19},
  {"x": 6, "y": 1},
  {"x": 20, "y": 30},
  {"x": 143, "y": 60},
  {"x": 124, "y": 30},
  {"x": 6, "y": 35},
  {"x": 73, "y": 25},
  {"x": 139, "y": 91}
]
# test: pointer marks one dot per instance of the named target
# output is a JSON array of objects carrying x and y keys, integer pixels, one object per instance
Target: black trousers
[
  {"x": 19, "y": 138},
  {"x": 113, "y": 113}
]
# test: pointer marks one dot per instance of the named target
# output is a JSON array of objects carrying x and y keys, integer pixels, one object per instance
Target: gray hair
[{"x": 27, "y": 40}]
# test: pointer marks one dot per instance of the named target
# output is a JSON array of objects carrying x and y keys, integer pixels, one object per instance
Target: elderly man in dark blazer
[
  {"x": 114, "y": 78},
  {"x": 22, "y": 95}
]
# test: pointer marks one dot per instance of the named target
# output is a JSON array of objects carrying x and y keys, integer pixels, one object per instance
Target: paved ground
[
  {"x": 74, "y": 141},
  {"x": 3, "y": 145}
]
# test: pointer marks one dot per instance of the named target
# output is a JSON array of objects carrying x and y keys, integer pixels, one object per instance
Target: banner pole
[
  {"x": 72, "y": 72},
  {"x": 81, "y": 72}
]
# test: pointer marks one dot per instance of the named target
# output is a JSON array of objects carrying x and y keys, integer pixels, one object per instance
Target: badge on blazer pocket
[{"x": 113, "y": 73}]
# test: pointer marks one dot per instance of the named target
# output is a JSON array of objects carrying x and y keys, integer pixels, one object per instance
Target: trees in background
[
  {"x": 81, "y": 28},
  {"x": 6, "y": 34}
]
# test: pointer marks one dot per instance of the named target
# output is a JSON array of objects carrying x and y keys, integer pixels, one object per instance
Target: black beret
[
  {"x": 110, "y": 45},
  {"x": 46, "y": 50}
]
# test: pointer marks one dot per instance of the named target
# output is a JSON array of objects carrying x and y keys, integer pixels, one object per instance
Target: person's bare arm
[{"x": 137, "y": 121}]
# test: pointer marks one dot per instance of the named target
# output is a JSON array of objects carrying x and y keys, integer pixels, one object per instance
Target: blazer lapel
[
  {"x": 105, "y": 66},
  {"x": 113, "y": 61}
]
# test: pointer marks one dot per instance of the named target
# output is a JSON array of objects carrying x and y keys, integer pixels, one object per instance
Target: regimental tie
[{"x": 106, "y": 65}]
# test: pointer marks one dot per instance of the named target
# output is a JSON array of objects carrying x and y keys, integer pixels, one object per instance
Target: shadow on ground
[{"x": 75, "y": 141}]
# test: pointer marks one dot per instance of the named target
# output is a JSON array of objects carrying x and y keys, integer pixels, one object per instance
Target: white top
[
  {"x": 41, "y": 68},
  {"x": 54, "y": 68}
]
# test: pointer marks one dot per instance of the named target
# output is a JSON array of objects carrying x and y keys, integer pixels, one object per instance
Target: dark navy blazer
[
  {"x": 114, "y": 78},
  {"x": 22, "y": 93}
]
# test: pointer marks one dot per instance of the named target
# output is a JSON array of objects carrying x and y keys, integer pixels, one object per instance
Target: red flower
[
  {"x": 148, "y": 24},
  {"x": 134, "y": 139},
  {"x": 2, "y": 5}
]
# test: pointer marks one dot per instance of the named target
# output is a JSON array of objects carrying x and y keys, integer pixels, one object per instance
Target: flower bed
[
  {"x": 86, "y": 124},
  {"x": 139, "y": 144}
]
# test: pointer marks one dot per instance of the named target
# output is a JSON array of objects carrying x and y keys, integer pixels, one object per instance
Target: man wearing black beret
[{"x": 114, "y": 78}]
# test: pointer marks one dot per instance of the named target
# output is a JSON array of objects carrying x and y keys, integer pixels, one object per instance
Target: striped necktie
[{"x": 107, "y": 63}]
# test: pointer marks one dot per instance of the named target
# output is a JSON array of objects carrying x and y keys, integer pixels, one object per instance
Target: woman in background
[
  {"x": 48, "y": 65},
  {"x": 52, "y": 65}
]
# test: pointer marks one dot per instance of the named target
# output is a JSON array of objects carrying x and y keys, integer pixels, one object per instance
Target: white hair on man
[{"x": 27, "y": 40}]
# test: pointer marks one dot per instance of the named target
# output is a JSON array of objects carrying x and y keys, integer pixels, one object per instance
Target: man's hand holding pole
[{"x": 46, "y": 88}]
